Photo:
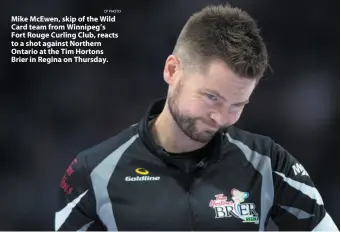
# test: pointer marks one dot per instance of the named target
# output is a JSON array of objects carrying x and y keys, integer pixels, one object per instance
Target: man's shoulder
[
  {"x": 92, "y": 156},
  {"x": 262, "y": 144},
  {"x": 259, "y": 143}
]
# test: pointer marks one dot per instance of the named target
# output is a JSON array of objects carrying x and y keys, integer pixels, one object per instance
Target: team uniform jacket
[{"x": 129, "y": 183}]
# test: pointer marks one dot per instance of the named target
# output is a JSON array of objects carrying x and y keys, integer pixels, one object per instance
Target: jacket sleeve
[
  {"x": 76, "y": 201},
  {"x": 297, "y": 203}
]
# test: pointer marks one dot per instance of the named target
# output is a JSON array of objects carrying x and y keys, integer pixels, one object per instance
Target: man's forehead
[{"x": 225, "y": 79}]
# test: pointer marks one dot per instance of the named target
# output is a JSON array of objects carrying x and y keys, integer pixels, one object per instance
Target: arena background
[{"x": 51, "y": 112}]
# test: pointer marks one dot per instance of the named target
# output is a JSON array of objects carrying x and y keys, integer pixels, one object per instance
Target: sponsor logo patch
[
  {"x": 144, "y": 176},
  {"x": 235, "y": 207}
]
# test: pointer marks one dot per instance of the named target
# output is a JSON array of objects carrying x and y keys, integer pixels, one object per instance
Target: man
[{"x": 184, "y": 166}]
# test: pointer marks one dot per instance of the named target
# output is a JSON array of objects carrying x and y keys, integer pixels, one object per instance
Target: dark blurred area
[{"x": 51, "y": 112}]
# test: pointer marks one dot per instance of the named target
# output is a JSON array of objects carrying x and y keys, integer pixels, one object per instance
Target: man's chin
[{"x": 203, "y": 137}]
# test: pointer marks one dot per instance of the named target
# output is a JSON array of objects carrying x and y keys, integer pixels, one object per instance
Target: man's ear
[{"x": 172, "y": 68}]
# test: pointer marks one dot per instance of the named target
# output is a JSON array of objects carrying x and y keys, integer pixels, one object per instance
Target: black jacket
[{"x": 130, "y": 183}]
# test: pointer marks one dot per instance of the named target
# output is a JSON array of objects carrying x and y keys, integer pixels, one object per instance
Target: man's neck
[{"x": 168, "y": 135}]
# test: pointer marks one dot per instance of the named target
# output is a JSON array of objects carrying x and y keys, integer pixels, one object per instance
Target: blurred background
[{"x": 49, "y": 113}]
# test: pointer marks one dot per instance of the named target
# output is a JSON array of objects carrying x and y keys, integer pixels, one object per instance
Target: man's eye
[{"x": 211, "y": 96}]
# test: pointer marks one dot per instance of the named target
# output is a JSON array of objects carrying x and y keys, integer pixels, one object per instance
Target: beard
[{"x": 187, "y": 123}]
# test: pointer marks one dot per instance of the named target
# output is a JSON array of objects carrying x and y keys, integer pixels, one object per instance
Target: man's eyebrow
[
  {"x": 242, "y": 103},
  {"x": 224, "y": 99}
]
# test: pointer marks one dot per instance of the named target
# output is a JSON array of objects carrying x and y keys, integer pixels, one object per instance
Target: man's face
[{"x": 203, "y": 103}]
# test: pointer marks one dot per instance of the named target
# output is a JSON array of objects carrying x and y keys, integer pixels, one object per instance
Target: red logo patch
[{"x": 63, "y": 184}]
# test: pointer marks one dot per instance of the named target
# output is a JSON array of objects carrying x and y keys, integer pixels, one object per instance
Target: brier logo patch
[{"x": 235, "y": 207}]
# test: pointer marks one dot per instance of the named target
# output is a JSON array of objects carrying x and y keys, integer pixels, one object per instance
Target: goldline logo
[
  {"x": 141, "y": 171},
  {"x": 144, "y": 177}
]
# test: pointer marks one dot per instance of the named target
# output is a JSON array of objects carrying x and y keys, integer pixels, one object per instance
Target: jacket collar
[{"x": 146, "y": 136}]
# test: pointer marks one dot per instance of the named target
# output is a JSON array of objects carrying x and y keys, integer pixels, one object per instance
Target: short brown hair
[{"x": 226, "y": 33}]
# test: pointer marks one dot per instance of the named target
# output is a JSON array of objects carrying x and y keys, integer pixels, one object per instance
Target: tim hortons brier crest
[{"x": 235, "y": 207}]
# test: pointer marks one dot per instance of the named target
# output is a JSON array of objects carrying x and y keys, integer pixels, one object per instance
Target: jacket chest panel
[
  {"x": 148, "y": 199},
  {"x": 166, "y": 199}
]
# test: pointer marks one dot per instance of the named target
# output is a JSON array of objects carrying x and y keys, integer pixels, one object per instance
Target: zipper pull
[{"x": 201, "y": 164}]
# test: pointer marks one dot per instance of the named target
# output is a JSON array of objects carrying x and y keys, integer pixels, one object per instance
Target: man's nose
[{"x": 219, "y": 118}]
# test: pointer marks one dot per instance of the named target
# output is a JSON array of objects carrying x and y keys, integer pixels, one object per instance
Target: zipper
[
  {"x": 201, "y": 165},
  {"x": 191, "y": 218}
]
